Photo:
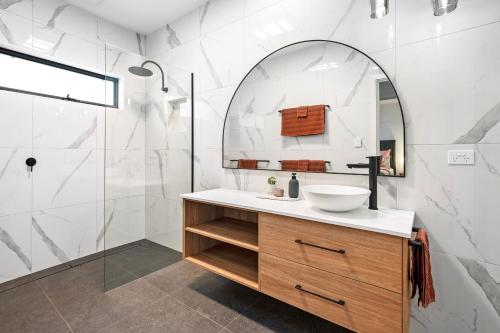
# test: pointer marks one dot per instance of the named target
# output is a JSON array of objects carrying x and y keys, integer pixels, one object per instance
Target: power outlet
[{"x": 461, "y": 157}]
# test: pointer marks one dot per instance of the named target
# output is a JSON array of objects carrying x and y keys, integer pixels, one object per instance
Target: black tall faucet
[{"x": 373, "y": 169}]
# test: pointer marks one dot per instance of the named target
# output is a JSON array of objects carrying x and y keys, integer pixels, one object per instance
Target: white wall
[
  {"x": 57, "y": 213},
  {"x": 446, "y": 71}
]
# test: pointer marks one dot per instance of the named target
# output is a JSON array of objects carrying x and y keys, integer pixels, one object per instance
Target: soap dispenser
[{"x": 293, "y": 186}]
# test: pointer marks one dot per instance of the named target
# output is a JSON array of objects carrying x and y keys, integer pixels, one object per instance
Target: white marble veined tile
[
  {"x": 15, "y": 31},
  {"x": 164, "y": 222},
  {"x": 124, "y": 220},
  {"x": 16, "y": 125},
  {"x": 62, "y": 124},
  {"x": 120, "y": 37},
  {"x": 64, "y": 177},
  {"x": 216, "y": 14},
  {"x": 463, "y": 302},
  {"x": 63, "y": 234},
  {"x": 22, "y": 8},
  {"x": 60, "y": 15},
  {"x": 15, "y": 246},
  {"x": 348, "y": 21},
  {"x": 207, "y": 173},
  {"x": 415, "y": 19},
  {"x": 451, "y": 101},
  {"x": 125, "y": 128},
  {"x": 125, "y": 173},
  {"x": 15, "y": 181}
]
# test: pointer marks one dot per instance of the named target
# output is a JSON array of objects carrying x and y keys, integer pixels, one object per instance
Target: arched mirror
[{"x": 315, "y": 106}]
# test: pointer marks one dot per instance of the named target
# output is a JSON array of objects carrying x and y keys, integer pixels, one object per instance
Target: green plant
[{"x": 271, "y": 180}]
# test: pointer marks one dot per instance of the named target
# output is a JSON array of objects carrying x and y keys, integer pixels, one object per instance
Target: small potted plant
[{"x": 271, "y": 184}]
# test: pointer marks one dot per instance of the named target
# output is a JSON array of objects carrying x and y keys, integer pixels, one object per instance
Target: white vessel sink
[{"x": 335, "y": 198}]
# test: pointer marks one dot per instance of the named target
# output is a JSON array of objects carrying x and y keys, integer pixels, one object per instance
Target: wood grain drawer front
[
  {"x": 355, "y": 305},
  {"x": 361, "y": 255}
]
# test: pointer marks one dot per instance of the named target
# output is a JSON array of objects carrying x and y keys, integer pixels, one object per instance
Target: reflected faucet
[{"x": 373, "y": 169}]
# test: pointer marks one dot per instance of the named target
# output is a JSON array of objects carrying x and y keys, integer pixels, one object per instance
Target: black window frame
[{"x": 55, "y": 64}]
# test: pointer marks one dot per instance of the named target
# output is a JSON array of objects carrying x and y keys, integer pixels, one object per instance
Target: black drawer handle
[
  {"x": 339, "y": 302},
  {"x": 298, "y": 241}
]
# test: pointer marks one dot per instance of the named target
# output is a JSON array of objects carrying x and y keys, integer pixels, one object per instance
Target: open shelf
[
  {"x": 234, "y": 263},
  {"x": 240, "y": 233}
]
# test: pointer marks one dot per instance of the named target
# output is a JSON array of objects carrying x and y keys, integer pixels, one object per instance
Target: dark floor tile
[
  {"x": 216, "y": 297},
  {"x": 26, "y": 309},
  {"x": 270, "y": 315},
  {"x": 167, "y": 315}
]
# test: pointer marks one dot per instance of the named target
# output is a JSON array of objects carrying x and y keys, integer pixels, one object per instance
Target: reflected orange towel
[
  {"x": 421, "y": 274},
  {"x": 247, "y": 164},
  {"x": 303, "y": 120},
  {"x": 295, "y": 165},
  {"x": 317, "y": 166}
]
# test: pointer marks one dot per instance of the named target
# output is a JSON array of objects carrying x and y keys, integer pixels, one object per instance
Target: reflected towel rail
[
  {"x": 256, "y": 160},
  {"x": 326, "y": 162},
  {"x": 327, "y": 107}
]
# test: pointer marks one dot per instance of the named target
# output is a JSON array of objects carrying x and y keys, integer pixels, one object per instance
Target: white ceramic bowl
[{"x": 335, "y": 198}]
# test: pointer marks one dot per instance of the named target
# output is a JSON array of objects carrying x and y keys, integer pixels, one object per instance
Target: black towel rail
[
  {"x": 327, "y": 162},
  {"x": 327, "y": 107},
  {"x": 267, "y": 161}
]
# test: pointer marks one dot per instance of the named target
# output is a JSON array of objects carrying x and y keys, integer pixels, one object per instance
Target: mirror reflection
[{"x": 315, "y": 106}]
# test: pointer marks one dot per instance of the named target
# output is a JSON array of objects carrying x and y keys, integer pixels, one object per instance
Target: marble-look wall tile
[
  {"x": 15, "y": 181},
  {"x": 415, "y": 20},
  {"x": 16, "y": 125},
  {"x": 63, "y": 234},
  {"x": 64, "y": 177},
  {"x": 15, "y": 246},
  {"x": 15, "y": 31},
  {"x": 22, "y": 8},
  {"x": 164, "y": 221},
  {"x": 125, "y": 173},
  {"x": 446, "y": 100},
  {"x": 216, "y": 14},
  {"x": 120, "y": 37}
]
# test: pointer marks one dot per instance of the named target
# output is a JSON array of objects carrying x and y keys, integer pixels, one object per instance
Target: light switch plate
[{"x": 461, "y": 157}]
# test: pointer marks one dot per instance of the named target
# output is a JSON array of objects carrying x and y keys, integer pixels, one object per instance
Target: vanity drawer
[
  {"x": 361, "y": 255},
  {"x": 366, "y": 308}
]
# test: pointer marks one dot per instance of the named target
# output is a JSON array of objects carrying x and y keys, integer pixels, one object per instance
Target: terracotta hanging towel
[
  {"x": 317, "y": 166},
  {"x": 421, "y": 275},
  {"x": 303, "y": 120},
  {"x": 295, "y": 165},
  {"x": 247, "y": 164}
]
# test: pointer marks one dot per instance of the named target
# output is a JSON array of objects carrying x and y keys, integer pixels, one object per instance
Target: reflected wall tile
[
  {"x": 15, "y": 181},
  {"x": 61, "y": 124},
  {"x": 15, "y": 246},
  {"x": 63, "y": 234},
  {"x": 16, "y": 125},
  {"x": 60, "y": 15},
  {"x": 15, "y": 31},
  {"x": 415, "y": 19},
  {"x": 468, "y": 310},
  {"x": 64, "y": 177},
  {"x": 451, "y": 101},
  {"x": 349, "y": 22},
  {"x": 22, "y": 8}
]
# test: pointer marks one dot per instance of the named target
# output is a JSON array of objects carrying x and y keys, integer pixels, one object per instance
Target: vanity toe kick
[{"x": 355, "y": 305}]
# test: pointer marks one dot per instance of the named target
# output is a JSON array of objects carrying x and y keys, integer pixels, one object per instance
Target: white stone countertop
[{"x": 386, "y": 221}]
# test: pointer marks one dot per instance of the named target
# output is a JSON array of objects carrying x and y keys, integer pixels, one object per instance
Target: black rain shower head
[{"x": 144, "y": 72}]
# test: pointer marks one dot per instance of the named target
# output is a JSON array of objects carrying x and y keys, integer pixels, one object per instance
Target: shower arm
[{"x": 165, "y": 89}]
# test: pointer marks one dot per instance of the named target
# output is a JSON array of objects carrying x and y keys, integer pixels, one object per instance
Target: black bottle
[{"x": 293, "y": 186}]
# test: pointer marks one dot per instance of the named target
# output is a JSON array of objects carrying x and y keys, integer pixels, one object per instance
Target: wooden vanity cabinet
[{"x": 357, "y": 279}]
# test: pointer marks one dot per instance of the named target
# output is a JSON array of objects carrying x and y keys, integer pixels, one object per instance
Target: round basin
[{"x": 335, "y": 198}]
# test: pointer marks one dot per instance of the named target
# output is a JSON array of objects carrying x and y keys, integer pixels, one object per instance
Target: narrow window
[{"x": 28, "y": 74}]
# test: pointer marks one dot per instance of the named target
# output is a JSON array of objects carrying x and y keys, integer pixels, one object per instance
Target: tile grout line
[
  {"x": 55, "y": 307},
  {"x": 198, "y": 312},
  {"x": 239, "y": 315}
]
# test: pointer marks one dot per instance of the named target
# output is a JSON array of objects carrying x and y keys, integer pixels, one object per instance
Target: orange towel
[
  {"x": 304, "y": 120},
  {"x": 421, "y": 274},
  {"x": 295, "y": 165},
  {"x": 247, "y": 164},
  {"x": 317, "y": 166}
]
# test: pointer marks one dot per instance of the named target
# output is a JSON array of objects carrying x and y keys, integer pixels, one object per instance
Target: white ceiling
[{"x": 143, "y": 16}]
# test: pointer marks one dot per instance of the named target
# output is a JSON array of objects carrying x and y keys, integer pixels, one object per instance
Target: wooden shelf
[
  {"x": 240, "y": 233},
  {"x": 234, "y": 263}
]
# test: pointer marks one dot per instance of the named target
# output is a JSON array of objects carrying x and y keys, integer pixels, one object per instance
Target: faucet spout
[{"x": 373, "y": 170}]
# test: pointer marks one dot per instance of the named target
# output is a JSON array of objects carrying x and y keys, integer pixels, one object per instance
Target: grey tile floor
[{"x": 180, "y": 297}]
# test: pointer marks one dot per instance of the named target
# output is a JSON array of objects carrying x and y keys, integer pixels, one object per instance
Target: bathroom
[{"x": 126, "y": 123}]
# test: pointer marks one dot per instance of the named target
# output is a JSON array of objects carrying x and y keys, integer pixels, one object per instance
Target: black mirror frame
[{"x": 332, "y": 173}]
